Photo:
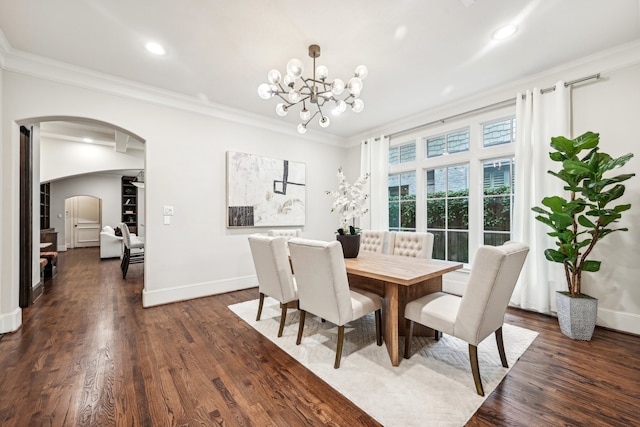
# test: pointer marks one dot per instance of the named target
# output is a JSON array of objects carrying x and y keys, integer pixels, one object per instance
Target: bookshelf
[
  {"x": 45, "y": 202},
  {"x": 130, "y": 203}
]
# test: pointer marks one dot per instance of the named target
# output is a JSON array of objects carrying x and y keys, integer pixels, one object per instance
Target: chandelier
[{"x": 316, "y": 91}]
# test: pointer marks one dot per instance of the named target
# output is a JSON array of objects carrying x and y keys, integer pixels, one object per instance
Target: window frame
[{"x": 475, "y": 157}]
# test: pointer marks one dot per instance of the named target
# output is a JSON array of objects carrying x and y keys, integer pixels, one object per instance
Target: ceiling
[{"x": 420, "y": 53}]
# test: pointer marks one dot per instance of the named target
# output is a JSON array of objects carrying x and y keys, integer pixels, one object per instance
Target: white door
[{"x": 84, "y": 215}]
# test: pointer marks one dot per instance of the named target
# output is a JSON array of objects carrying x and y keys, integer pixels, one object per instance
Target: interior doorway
[
  {"x": 83, "y": 221},
  {"x": 64, "y": 129}
]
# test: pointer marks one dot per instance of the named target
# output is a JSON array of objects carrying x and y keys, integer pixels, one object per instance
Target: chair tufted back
[
  {"x": 494, "y": 274},
  {"x": 271, "y": 262},
  {"x": 288, "y": 234},
  {"x": 323, "y": 287},
  {"x": 417, "y": 245},
  {"x": 374, "y": 241}
]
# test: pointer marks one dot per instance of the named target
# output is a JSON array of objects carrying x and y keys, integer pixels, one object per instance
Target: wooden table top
[{"x": 398, "y": 269}]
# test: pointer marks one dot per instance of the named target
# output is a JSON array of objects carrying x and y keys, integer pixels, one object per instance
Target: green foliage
[{"x": 581, "y": 220}]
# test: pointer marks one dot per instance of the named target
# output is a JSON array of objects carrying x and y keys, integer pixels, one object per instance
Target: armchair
[{"x": 110, "y": 244}]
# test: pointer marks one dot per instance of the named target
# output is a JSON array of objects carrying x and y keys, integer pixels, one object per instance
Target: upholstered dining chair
[
  {"x": 374, "y": 241},
  {"x": 133, "y": 250},
  {"x": 323, "y": 289},
  {"x": 286, "y": 233},
  {"x": 480, "y": 310},
  {"x": 412, "y": 244},
  {"x": 271, "y": 261}
]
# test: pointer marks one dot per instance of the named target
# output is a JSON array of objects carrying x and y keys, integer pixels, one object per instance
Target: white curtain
[
  {"x": 538, "y": 118},
  {"x": 374, "y": 160}
]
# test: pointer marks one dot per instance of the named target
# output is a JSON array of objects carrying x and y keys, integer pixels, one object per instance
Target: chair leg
[
  {"x": 301, "y": 326},
  {"x": 408, "y": 334},
  {"x": 379, "y": 327},
  {"x": 260, "y": 303},
  {"x": 125, "y": 262},
  {"x": 475, "y": 369},
  {"x": 503, "y": 356},
  {"x": 336, "y": 365},
  {"x": 283, "y": 318}
]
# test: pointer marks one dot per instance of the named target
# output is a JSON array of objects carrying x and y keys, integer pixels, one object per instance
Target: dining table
[{"x": 398, "y": 280}]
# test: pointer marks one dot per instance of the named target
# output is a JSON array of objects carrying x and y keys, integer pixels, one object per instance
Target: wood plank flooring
[{"x": 89, "y": 354}]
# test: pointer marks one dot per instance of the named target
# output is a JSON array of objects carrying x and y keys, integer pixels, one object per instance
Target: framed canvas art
[{"x": 264, "y": 192}]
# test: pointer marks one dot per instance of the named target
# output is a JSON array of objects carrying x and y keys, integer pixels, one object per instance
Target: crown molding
[
  {"x": 20, "y": 62},
  {"x": 604, "y": 62},
  {"x": 5, "y": 48}
]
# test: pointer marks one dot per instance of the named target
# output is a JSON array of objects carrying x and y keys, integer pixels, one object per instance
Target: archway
[{"x": 67, "y": 131}]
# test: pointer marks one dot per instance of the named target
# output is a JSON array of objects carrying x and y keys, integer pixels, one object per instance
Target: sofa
[{"x": 110, "y": 244}]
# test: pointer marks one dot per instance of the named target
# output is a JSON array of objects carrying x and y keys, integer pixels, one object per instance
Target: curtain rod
[{"x": 490, "y": 107}]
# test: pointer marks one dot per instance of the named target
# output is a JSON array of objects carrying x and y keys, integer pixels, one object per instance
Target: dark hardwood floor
[{"x": 89, "y": 354}]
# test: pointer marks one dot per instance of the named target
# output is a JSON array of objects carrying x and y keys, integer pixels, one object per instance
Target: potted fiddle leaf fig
[{"x": 581, "y": 218}]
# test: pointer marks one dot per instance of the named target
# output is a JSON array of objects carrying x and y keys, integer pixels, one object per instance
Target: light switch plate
[{"x": 168, "y": 210}]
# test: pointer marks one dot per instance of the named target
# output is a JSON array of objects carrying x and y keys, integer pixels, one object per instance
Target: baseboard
[
  {"x": 619, "y": 321},
  {"x": 10, "y": 322},
  {"x": 196, "y": 290},
  {"x": 36, "y": 291}
]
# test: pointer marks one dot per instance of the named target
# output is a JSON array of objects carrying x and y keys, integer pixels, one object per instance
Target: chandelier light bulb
[
  {"x": 281, "y": 110},
  {"x": 362, "y": 72},
  {"x": 274, "y": 77},
  {"x": 264, "y": 91},
  {"x": 337, "y": 87},
  {"x": 340, "y": 107},
  {"x": 322, "y": 72},
  {"x": 295, "y": 68},
  {"x": 355, "y": 86},
  {"x": 358, "y": 105},
  {"x": 288, "y": 80},
  {"x": 294, "y": 96},
  {"x": 305, "y": 115},
  {"x": 324, "y": 121},
  {"x": 302, "y": 128}
]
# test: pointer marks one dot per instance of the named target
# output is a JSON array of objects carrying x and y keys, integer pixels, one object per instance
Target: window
[
  {"x": 499, "y": 132},
  {"x": 448, "y": 211},
  {"x": 456, "y": 183},
  {"x": 454, "y": 142},
  {"x": 402, "y": 201},
  {"x": 497, "y": 197},
  {"x": 402, "y": 154}
]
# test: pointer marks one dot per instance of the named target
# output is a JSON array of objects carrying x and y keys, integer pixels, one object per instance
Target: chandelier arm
[{"x": 279, "y": 95}]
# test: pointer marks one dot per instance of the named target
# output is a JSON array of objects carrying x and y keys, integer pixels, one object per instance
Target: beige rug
[{"x": 433, "y": 388}]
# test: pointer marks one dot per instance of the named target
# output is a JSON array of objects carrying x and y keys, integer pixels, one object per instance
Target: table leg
[{"x": 391, "y": 320}]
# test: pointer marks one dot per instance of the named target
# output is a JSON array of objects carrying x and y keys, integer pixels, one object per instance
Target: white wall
[
  {"x": 103, "y": 186},
  {"x": 184, "y": 167},
  {"x": 611, "y": 107}
]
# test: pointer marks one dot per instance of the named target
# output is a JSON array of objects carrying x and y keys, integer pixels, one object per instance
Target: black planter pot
[{"x": 350, "y": 244}]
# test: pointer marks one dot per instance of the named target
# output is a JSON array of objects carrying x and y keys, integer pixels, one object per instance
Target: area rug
[{"x": 432, "y": 388}]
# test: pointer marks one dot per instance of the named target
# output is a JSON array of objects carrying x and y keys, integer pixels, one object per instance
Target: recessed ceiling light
[
  {"x": 155, "y": 48},
  {"x": 87, "y": 139},
  {"x": 505, "y": 32}
]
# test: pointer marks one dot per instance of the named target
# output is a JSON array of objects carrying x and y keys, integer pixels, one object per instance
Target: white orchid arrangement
[{"x": 350, "y": 201}]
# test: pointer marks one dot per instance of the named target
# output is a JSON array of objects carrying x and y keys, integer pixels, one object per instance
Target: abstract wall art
[{"x": 264, "y": 192}]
